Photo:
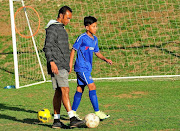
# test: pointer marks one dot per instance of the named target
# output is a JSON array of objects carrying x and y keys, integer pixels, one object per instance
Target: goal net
[{"x": 141, "y": 37}]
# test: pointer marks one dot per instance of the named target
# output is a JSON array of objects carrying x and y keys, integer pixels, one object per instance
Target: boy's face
[
  {"x": 92, "y": 28},
  {"x": 65, "y": 19}
]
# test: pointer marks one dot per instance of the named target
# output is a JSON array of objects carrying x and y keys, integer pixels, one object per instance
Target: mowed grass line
[{"x": 133, "y": 105}]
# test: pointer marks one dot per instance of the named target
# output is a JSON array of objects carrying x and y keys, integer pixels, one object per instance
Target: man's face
[{"x": 65, "y": 19}]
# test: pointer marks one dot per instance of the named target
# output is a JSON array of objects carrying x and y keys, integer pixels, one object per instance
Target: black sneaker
[
  {"x": 59, "y": 124},
  {"x": 74, "y": 122}
]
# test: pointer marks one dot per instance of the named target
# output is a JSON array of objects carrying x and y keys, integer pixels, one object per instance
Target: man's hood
[{"x": 51, "y": 22}]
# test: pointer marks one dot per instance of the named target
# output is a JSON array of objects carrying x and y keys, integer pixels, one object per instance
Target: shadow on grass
[
  {"x": 34, "y": 121},
  {"x": 4, "y": 107},
  {"x": 64, "y": 117},
  {"x": 27, "y": 121},
  {"x": 159, "y": 47}
]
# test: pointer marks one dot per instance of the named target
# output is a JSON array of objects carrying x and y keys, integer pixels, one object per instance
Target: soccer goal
[
  {"x": 27, "y": 64},
  {"x": 142, "y": 38}
]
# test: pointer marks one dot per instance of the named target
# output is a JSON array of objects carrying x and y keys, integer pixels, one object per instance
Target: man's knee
[
  {"x": 58, "y": 92},
  {"x": 65, "y": 90}
]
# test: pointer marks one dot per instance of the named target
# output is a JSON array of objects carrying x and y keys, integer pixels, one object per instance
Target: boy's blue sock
[
  {"x": 94, "y": 100},
  {"x": 77, "y": 100}
]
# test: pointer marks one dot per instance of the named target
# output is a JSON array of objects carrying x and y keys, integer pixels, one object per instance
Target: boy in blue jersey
[{"x": 86, "y": 45}]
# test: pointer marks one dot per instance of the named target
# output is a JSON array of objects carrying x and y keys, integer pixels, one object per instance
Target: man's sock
[
  {"x": 71, "y": 114},
  {"x": 77, "y": 100},
  {"x": 94, "y": 100},
  {"x": 56, "y": 117}
]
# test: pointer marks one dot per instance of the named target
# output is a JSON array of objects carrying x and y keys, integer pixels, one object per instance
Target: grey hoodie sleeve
[{"x": 51, "y": 38}]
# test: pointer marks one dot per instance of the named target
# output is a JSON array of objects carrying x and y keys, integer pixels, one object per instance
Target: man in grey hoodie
[{"x": 57, "y": 53}]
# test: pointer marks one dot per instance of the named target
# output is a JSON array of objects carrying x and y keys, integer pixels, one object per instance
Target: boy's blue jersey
[{"x": 85, "y": 46}]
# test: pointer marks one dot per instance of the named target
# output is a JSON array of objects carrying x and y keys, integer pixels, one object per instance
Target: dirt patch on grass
[
  {"x": 140, "y": 93},
  {"x": 5, "y": 29},
  {"x": 137, "y": 94},
  {"x": 167, "y": 130},
  {"x": 130, "y": 123},
  {"x": 106, "y": 106},
  {"x": 30, "y": 95}
]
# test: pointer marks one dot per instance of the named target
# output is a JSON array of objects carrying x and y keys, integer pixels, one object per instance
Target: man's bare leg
[
  {"x": 57, "y": 101},
  {"x": 65, "y": 98}
]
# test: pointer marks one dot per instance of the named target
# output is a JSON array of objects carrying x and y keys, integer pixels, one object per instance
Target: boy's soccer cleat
[
  {"x": 102, "y": 115},
  {"x": 74, "y": 122},
  {"x": 76, "y": 115}
]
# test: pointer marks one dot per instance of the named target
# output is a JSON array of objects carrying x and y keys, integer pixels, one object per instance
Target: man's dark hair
[
  {"x": 89, "y": 20},
  {"x": 63, "y": 10}
]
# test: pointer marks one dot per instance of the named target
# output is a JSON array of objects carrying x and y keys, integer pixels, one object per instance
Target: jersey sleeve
[
  {"x": 78, "y": 43},
  {"x": 96, "y": 49}
]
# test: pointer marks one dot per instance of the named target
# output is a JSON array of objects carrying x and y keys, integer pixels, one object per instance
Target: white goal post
[{"x": 141, "y": 37}]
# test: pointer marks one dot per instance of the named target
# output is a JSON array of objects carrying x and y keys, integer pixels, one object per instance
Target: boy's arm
[
  {"x": 71, "y": 59},
  {"x": 99, "y": 55}
]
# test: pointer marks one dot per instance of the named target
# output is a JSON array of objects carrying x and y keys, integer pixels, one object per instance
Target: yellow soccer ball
[{"x": 44, "y": 115}]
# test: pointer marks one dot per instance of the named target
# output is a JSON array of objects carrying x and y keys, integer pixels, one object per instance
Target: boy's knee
[
  {"x": 92, "y": 86},
  {"x": 80, "y": 88}
]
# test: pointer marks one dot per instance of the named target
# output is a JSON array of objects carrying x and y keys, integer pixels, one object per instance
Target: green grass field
[
  {"x": 142, "y": 39},
  {"x": 134, "y": 105}
]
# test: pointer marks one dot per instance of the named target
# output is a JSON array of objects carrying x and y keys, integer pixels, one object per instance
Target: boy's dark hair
[
  {"x": 63, "y": 10},
  {"x": 89, "y": 20}
]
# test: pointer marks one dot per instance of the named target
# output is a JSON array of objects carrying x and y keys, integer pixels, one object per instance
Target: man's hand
[{"x": 54, "y": 68}]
